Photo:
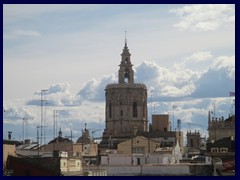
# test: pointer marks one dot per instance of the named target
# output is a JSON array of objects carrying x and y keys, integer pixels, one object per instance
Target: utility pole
[
  {"x": 23, "y": 131},
  {"x": 55, "y": 123},
  {"x": 151, "y": 104},
  {"x": 44, "y": 125},
  {"x": 23, "y": 128},
  {"x": 38, "y": 140},
  {"x": 214, "y": 111},
  {"x": 43, "y": 90}
]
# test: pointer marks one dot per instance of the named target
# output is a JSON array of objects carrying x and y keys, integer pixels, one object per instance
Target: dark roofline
[{"x": 231, "y": 118}]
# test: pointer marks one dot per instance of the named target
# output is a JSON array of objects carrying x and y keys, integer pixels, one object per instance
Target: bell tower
[
  {"x": 126, "y": 105},
  {"x": 125, "y": 73}
]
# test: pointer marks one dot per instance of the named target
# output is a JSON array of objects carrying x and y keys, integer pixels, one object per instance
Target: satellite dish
[{"x": 212, "y": 141}]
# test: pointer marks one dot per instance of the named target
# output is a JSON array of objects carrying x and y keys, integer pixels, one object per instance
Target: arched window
[
  {"x": 126, "y": 75},
  {"x": 126, "y": 60},
  {"x": 134, "y": 109},
  {"x": 110, "y": 110}
]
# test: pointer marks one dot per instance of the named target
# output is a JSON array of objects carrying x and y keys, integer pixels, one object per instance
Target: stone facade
[
  {"x": 126, "y": 103},
  {"x": 193, "y": 139},
  {"x": 220, "y": 128}
]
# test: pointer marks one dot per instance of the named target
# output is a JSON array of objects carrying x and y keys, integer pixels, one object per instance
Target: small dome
[
  {"x": 85, "y": 138},
  {"x": 60, "y": 139}
]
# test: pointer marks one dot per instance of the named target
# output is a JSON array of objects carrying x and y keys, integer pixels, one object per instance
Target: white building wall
[
  {"x": 74, "y": 165},
  {"x": 140, "y": 159},
  {"x": 63, "y": 165},
  {"x": 182, "y": 169}
]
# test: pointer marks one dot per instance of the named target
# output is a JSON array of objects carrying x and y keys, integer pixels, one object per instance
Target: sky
[{"x": 184, "y": 53}]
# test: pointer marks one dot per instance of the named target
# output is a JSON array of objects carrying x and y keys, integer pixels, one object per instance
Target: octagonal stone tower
[{"x": 126, "y": 103}]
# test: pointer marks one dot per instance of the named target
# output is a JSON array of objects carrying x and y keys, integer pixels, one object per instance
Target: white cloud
[
  {"x": 218, "y": 80},
  {"x": 165, "y": 82},
  {"x": 56, "y": 95},
  {"x": 20, "y": 33},
  {"x": 173, "y": 91},
  {"x": 200, "y": 56},
  {"x": 95, "y": 90},
  {"x": 26, "y": 33},
  {"x": 178, "y": 81},
  {"x": 204, "y": 17},
  {"x": 192, "y": 112},
  {"x": 225, "y": 62},
  {"x": 16, "y": 113},
  {"x": 197, "y": 62}
]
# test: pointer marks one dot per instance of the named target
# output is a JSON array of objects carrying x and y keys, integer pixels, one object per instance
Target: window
[
  {"x": 126, "y": 75},
  {"x": 138, "y": 161},
  {"x": 121, "y": 112},
  {"x": 191, "y": 143},
  {"x": 134, "y": 109},
  {"x": 138, "y": 150},
  {"x": 110, "y": 110},
  {"x": 223, "y": 150},
  {"x": 214, "y": 150}
]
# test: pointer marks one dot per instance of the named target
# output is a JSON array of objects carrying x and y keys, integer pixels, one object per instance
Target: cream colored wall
[
  {"x": 139, "y": 141},
  {"x": 73, "y": 149},
  {"x": 88, "y": 149},
  {"x": 70, "y": 165},
  {"x": 8, "y": 149}
]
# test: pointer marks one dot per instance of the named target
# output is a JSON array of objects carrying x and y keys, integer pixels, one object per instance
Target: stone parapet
[{"x": 126, "y": 85}]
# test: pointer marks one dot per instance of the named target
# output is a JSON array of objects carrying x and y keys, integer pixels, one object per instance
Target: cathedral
[{"x": 126, "y": 104}]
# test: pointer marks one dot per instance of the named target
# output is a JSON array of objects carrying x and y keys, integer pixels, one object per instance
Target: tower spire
[{"x": 125, "y": 38}]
